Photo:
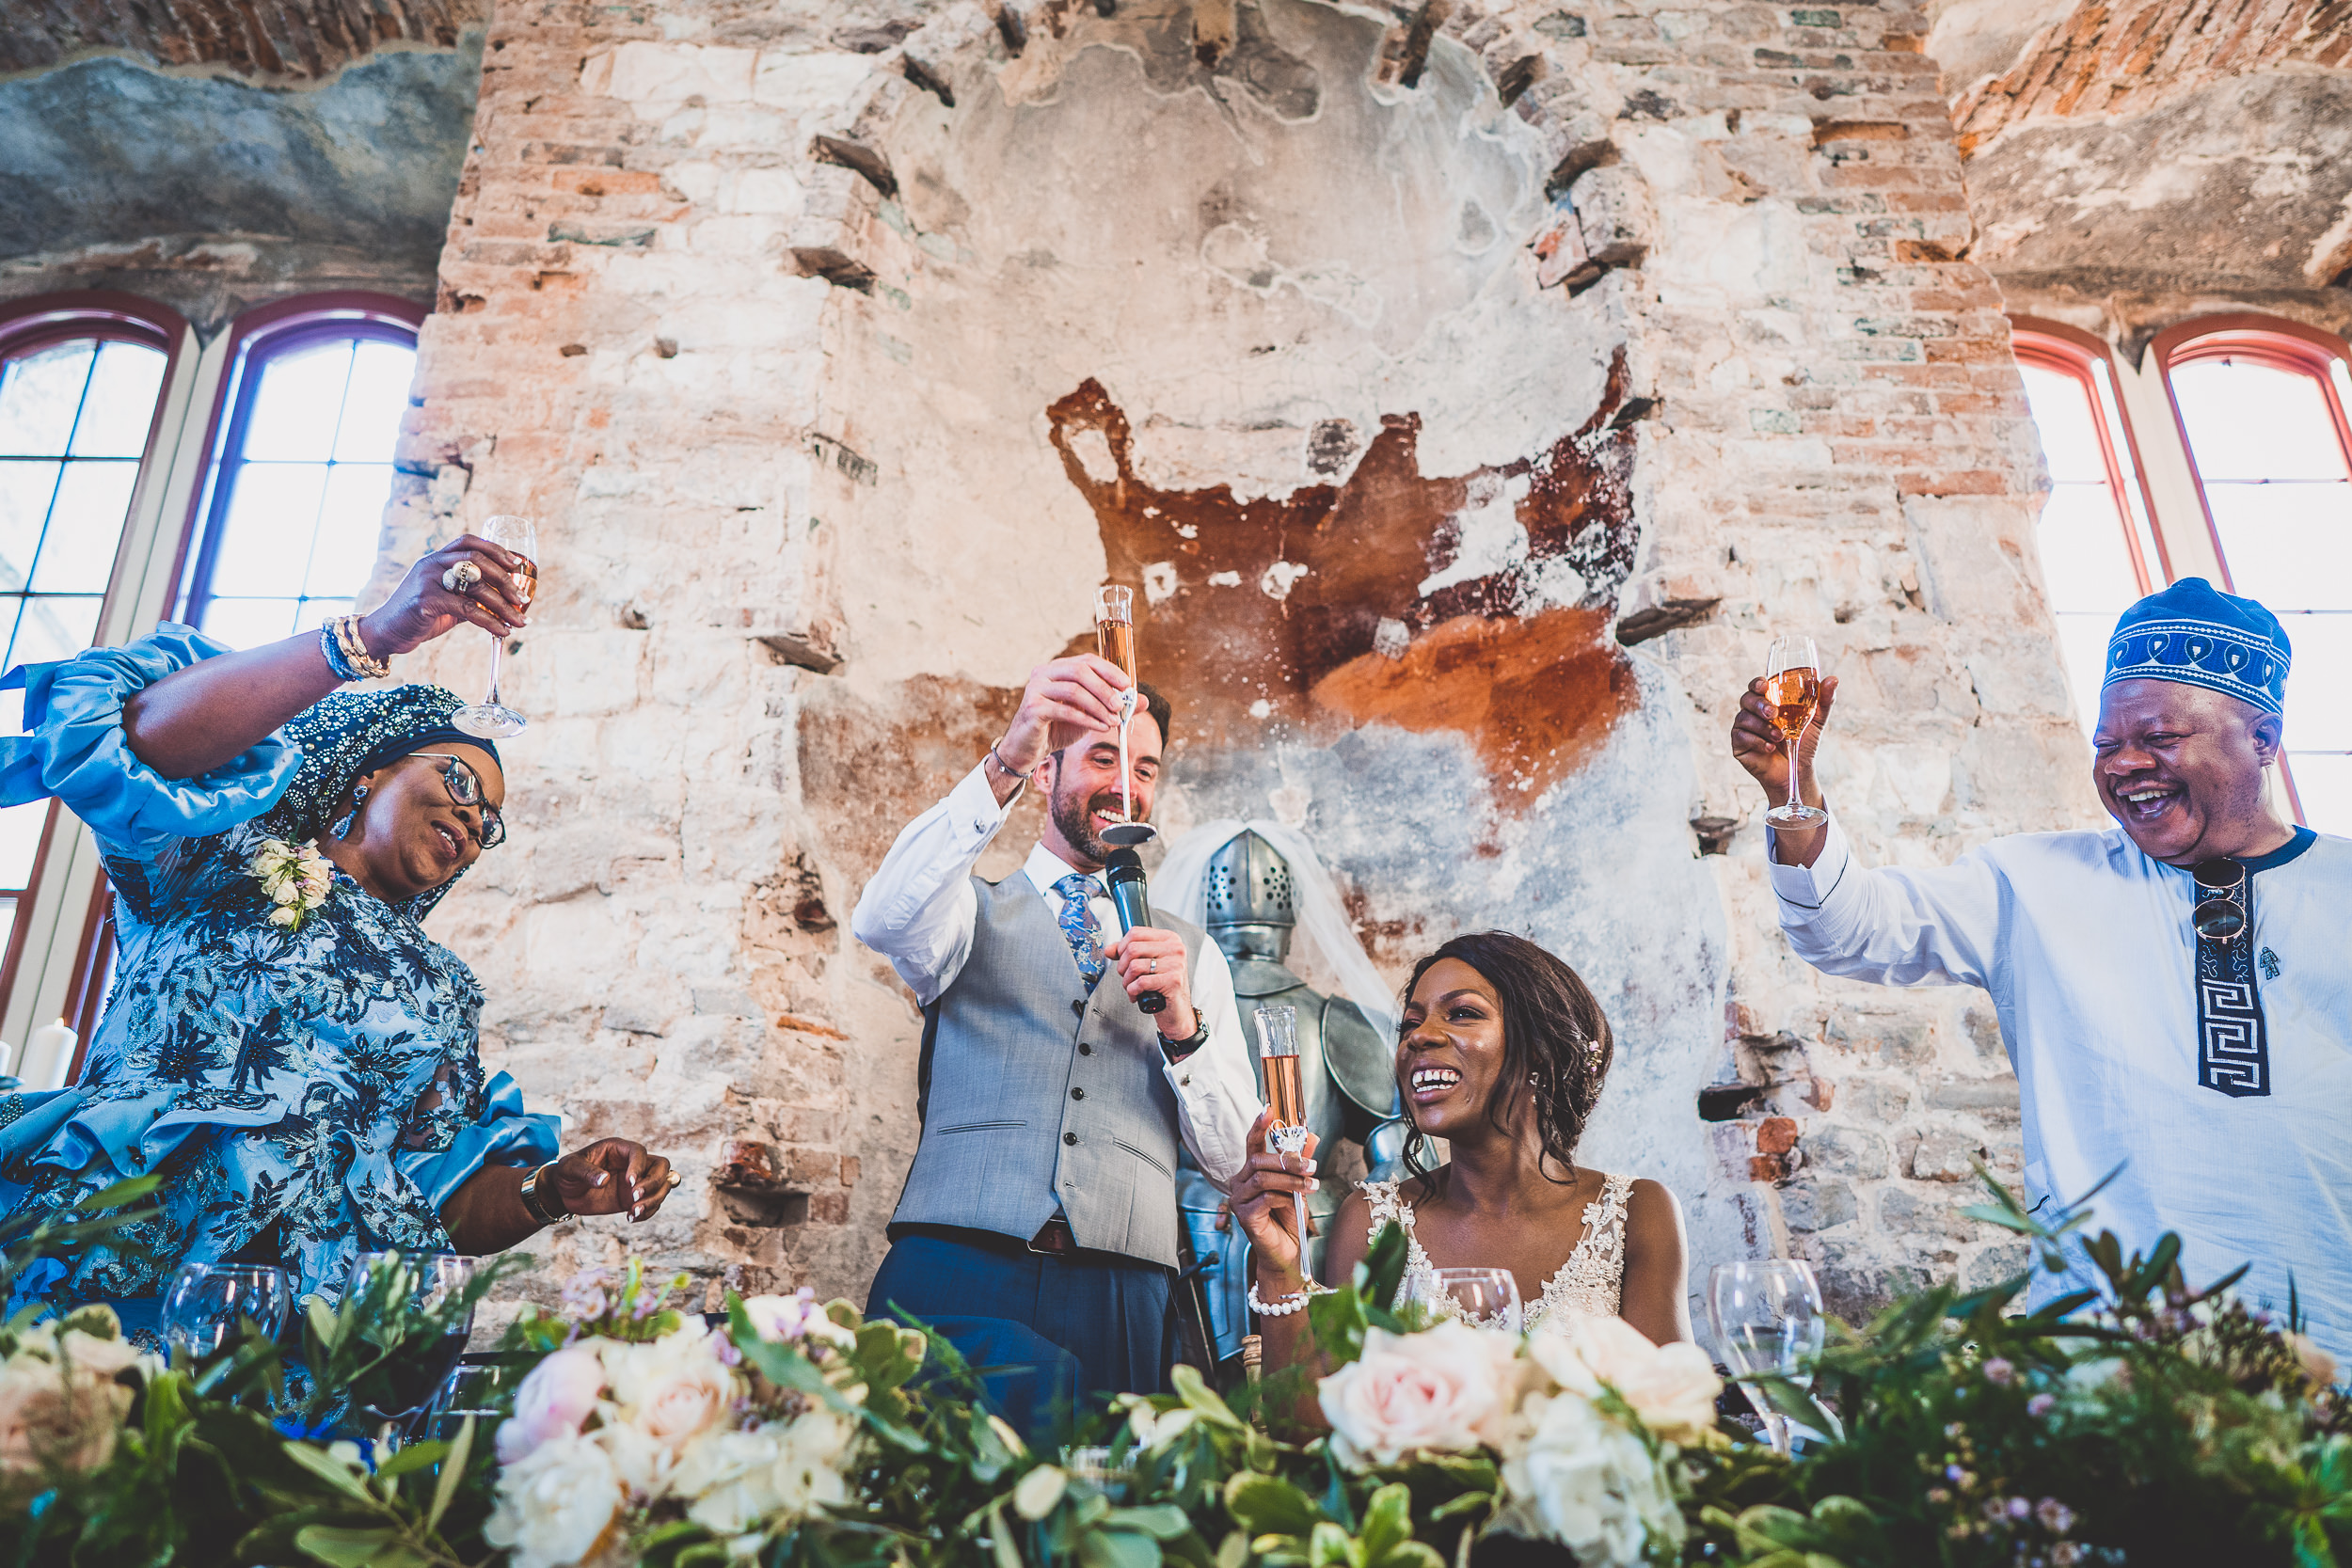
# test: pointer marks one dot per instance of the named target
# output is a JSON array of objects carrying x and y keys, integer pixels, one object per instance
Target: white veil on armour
[{"x": 1180, "y": 887}]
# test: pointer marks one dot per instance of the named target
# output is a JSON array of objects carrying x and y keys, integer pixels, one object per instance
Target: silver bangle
[{"x": 1283, "y": 1306}]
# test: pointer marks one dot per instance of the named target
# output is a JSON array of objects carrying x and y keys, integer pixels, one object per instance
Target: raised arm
[{"x": 200, "y": 718}]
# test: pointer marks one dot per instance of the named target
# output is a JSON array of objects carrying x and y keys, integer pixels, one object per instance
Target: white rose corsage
[{"x": 297, "y": 879}]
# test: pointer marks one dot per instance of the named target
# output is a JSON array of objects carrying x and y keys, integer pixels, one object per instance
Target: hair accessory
[{"x": 1282, "y": 1307}]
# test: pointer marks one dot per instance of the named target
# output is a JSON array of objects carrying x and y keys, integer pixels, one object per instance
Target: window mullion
[{"x": 2180, "y": 526}]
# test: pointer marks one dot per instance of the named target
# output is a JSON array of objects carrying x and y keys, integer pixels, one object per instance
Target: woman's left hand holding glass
[{"x": 612, "y": 1176}]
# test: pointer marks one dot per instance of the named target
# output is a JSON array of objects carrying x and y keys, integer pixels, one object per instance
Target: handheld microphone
[{"x": 1123, "y": 875}]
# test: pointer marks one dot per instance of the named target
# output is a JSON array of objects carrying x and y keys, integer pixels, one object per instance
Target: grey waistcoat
[{"x": 1037, "y": 1097}]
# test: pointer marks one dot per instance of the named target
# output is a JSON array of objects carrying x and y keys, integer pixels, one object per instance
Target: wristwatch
[
  {"x": 1176, "y": 1050},
  {"x": 539, "y": 1196}
]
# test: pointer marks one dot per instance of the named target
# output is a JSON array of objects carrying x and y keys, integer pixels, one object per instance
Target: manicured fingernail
[{"x": 603, "y": 1177}]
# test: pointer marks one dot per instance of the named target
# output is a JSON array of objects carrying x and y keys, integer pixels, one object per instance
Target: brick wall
[{"x": 726, "y": 301}]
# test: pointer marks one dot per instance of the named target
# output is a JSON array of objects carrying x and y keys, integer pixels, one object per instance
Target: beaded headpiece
[{"x": 347, "y": 733}]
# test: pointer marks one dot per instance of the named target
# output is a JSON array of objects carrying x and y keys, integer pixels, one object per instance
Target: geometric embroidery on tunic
[{"x": 2232, "y": 1049}]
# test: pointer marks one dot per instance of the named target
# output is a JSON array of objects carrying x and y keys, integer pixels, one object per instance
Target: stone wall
[{"x": 1472, "y": 391}]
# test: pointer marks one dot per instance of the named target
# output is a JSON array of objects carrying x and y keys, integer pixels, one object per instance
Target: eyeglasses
[
  {"x": 465, "y": 789},
  {"x": 2220, "y": 915}
]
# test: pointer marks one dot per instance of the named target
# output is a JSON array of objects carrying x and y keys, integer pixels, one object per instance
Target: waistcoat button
[
  {"x": 1078, "y": 1009},
  {"x": 1085, "y": 1050},
  {"x": 1077, "y": 1094},
  {"x": 1070, "y": 1137}
]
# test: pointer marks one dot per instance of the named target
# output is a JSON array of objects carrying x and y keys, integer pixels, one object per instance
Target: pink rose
[
  {"x": 554, "y": 1401},
  {"x": 674, "y": 1389},
  {"x": 51, "y": 1415},
  {"x": 1445, "y": 1390}
]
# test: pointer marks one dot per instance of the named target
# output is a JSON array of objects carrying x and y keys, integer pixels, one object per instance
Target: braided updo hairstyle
[{"x": 1552, "y": 1030}]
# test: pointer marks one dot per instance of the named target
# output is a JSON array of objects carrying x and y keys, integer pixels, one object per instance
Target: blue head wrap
[
  {"x": 347, "y": 733},
  {"x": 2196, "y": 635}
]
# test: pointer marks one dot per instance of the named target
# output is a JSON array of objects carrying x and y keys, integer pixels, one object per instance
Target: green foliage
[{"x": 358, "y": 1348}]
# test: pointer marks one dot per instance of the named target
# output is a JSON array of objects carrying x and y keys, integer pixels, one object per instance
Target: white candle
[{"x": 48, "y": 1056}]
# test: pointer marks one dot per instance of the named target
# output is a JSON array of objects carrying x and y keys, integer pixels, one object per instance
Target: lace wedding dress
[{"x": 1589, "y": 1285}]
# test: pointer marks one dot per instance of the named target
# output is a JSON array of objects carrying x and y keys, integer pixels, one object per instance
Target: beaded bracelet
[
  {"x": 335, "y": 659},
  {"x": 346, "y": 630},
  {"x": 1283, "y": 1306}
]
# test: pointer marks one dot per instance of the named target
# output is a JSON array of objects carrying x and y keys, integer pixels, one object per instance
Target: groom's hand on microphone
[{"x": 1152, "y": 960}]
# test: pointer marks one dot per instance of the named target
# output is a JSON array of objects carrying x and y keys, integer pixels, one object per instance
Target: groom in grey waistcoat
[{"x": 1042, "y": 1194}]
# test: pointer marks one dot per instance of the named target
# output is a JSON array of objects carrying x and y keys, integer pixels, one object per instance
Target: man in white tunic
[{"x": 2215, "y": 1069}]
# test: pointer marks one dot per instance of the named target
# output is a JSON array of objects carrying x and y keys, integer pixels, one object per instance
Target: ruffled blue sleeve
[
  {"x": 507, "y": 1134},
  {"x": 74, "y": 747}
]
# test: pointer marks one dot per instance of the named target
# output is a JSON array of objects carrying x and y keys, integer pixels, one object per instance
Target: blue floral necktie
[{"x": 1079, "y": 927}]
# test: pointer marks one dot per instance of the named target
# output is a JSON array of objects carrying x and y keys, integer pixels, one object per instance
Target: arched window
[
  {"x": 293, "y": 512},
  {"x": 82, "y": 379},
  {"x": 2099, "y": 552},
  {"x": 2262, "y": 410}
]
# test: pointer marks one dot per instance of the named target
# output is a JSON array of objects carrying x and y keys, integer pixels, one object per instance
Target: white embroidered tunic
[
  {"x": 2085, "y": 944},
  {"x": 1590, "y": 1284}
]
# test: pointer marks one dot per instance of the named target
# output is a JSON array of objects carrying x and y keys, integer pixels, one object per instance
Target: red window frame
[
  {"x": 257, "y": 336},
  {"x": 2263, "y": 341},
  {"x": 2070, "y": 351},
  {"x": 27, "y": 326}
]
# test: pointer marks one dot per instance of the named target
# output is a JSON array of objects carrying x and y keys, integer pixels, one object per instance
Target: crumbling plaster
[
  {"x": 774, "y": 335},
  {"x": 210, "y": 193}
]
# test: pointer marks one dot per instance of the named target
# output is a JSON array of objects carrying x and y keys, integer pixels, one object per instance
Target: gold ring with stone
[{"x": 461, "y": 578}]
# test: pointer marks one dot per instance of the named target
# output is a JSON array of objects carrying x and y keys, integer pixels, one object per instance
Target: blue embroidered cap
[{"x": 2195, "y": 634}]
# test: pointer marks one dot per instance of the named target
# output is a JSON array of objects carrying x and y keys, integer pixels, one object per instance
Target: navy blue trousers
[{"x": 1109, "y": 1313}]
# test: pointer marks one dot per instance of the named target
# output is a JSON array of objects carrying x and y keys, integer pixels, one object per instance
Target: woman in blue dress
[{"x": 284, "y": 1044}]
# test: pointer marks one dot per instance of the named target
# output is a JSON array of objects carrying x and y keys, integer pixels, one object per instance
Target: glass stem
[
  {"x": 1126, "y": 792},
  {"x": 1793, "y": 804},
  {"x": 498, "y": 648}
]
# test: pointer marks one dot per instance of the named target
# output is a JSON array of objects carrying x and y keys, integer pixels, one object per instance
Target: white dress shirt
[
  {"x": 2085, "y": 944},
  {"x": 919, "y": 912}
]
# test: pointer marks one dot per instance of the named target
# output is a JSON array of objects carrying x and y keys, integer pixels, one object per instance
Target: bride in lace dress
[{"x": 1502, "y": 1052}]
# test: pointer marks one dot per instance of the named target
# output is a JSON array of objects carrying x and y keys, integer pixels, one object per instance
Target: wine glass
[
  {"x": 419, "y": 1366},
  {"x": 1767, "y": 1316},
  {"x": 1115, "y": 640},
  {"x": 205, "y": 1303},
  {"x": 480, "y": 1390},
  {"x": 1484, "y": 1298},
  {"x": 489, "y": 718},
  {"x": 1792, "y": 685},
  {"x": 1286, "y": 1096}
]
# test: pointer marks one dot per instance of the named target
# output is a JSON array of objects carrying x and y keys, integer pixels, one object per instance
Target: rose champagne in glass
[
  {"x": 1792, "y": 685},
  {"x": 489, "y": 718},
  {"x": 1286, "y": 1096},
  {"x": 1115, "y": 640}
]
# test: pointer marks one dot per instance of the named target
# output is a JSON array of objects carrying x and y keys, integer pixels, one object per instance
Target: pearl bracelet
[{"x": 1283, "y": 1306}]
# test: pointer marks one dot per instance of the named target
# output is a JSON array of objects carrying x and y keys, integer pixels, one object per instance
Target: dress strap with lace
[{"x": 1591, "y": 1283}]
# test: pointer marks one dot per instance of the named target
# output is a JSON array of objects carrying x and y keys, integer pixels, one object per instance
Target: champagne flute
[
  {"x": 1767, "y": 1316},
  {"x": 1792, "y": 685},
  {"x": 1286, "y": 1096},
  {"x": 1115, "y": 640},
  {"x": 1484, "y": 1298},
  {"x": 489, "y": 718},
  {"x": 205, "y": 1303}
]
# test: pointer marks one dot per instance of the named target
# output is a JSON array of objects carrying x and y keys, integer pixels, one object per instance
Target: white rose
[
  {"x": 675, "y": 1389},
  {"x": 1672, "y": 1387},
  {"x": 285, "y": 919},
  {"x": 1446, "y": 1390},
  {"x": 555, "y": 1506},
  {"x": 643, "y": 1463},
  {"x": 555, "y": 1400},
  {"x": 52, "y": 1415},
  {"x": 783, "y": 1317},
  {"x": 284, "y": 892},
  {"x": 1581, "y": 1479},
  {"x": 811, "y": 1471},
  {"x": 103, "y": 1357},
  {"x": 731, "y": 1478}
]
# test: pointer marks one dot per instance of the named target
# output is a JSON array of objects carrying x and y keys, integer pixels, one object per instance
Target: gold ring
[
  {"x": 672, "y": 1183},
  {"x": 461, "y": 578}
]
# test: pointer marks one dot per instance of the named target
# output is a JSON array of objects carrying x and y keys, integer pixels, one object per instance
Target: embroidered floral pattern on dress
[{"x": 1590, "y": 1284}]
